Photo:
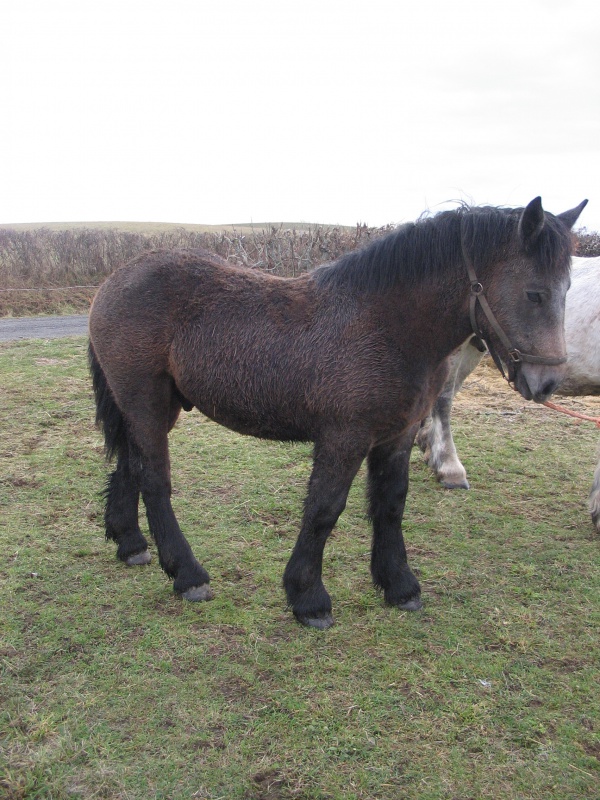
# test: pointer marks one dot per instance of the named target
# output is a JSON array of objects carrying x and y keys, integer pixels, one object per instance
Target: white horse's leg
[
  {"x": 435, "y": 439},
  {"x": 435, "y": 435},
  {"x": 594, "y": 500},
  {"x": 582, "y": 334}
]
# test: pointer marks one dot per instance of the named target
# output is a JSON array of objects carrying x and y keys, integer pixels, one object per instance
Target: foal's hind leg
[
  {"x": 156, "y": 410},
  {"x": 388, "y": 486},
  {"x": 122, "y": 503},
  {"x": 121, "y": 514},
  {"x": 330, "y": 481}
]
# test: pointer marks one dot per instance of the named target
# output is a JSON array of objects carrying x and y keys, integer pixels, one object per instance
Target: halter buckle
[{"x": 515, "y": 355}]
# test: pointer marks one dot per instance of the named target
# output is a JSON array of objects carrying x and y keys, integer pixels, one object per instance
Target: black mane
[{"x": 431, "y": 248}]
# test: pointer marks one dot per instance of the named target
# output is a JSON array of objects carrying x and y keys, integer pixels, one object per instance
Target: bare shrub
[
  {"x": 57, "y": 261},
  {"x": 588, "y": 243},
  {"x": 39, "y": 268}
]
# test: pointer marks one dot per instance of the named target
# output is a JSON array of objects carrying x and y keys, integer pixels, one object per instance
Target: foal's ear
[
  {"x": 531, "y": 223},
  {"x": 571, "y": 217}
]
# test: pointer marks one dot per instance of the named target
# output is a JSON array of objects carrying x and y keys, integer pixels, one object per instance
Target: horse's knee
[
  {"x": 326, "y": 518},
  {"x": 152, "y": 485}
]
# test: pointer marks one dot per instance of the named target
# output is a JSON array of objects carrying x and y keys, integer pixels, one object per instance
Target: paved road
[{"x": 43, "y": 327}]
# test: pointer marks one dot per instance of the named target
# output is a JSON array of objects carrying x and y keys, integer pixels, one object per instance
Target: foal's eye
[{"x": 534, "y": 297}]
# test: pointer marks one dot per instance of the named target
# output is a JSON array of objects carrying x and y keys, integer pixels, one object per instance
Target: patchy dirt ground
[{"x": 486, "y": 388}]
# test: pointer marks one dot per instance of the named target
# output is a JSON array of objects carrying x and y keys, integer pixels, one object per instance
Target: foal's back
[{"x": 279, "y": 358}]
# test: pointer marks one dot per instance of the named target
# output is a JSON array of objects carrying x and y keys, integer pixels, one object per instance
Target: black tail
[{"x": 108, "y": 415}]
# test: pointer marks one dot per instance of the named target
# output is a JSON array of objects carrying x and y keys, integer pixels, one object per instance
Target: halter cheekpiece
[{"x": 478, "y": 296}]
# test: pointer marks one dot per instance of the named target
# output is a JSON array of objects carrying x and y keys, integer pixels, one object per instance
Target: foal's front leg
[
  {"x": 388, "y": 486},
  {"x": 332, "y": 475}
]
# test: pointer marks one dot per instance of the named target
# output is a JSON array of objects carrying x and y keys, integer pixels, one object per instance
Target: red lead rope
[{"x": 576, "y": 414}]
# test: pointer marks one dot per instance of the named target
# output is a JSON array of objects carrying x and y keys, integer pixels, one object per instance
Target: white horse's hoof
[{"x": 455, "y": 483}]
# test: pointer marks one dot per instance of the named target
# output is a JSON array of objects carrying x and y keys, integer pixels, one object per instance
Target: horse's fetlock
[
  {"x": 405, "y": 595},
  {"x": 129, "y": 544},
  {"x": 312, "y": 602},
  {"x": 399, "y": 586},
  {"x": 304, "y": 589}
]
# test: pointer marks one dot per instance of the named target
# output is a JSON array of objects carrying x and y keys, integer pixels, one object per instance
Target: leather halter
[{"x": 515, "y": 355}]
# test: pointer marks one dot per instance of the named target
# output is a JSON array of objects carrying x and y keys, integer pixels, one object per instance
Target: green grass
[{"x": 112, "y": 687}]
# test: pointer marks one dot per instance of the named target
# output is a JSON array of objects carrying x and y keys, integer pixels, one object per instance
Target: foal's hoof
[
  {"x": 414, "y": 604},
  {"x": 321, "y": 621},
  {"x": 197, "y": 594},
  {"x": 139, "y": 559}
]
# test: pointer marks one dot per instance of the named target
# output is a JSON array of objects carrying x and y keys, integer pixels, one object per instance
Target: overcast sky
[{"x": 328, "y": 111}]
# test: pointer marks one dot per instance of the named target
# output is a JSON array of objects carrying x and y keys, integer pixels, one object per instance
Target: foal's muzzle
[{"x": 536, "y": 383}]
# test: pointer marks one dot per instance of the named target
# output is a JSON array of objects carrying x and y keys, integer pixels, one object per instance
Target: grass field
[{"x": 112, "y": 687}]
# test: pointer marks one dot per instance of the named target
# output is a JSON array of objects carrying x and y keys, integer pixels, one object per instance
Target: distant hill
[{"x": 162, "y": 227}]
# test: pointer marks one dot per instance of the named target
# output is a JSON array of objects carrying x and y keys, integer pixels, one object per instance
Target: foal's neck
[{"x": 436, "y": 314}]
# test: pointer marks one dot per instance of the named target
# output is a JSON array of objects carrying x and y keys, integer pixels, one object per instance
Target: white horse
[{"x": 582, "y": 333}]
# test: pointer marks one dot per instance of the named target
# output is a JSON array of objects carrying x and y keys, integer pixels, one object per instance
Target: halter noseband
[{"x": 514, "y": 354}]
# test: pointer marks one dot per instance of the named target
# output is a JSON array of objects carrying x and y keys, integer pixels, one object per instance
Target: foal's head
[{"x": 525, "y": 272}]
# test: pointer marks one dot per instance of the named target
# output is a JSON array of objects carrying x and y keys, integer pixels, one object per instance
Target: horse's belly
[
  {"x": 583, "y": 360},
  {"x": 262, "y": 423}
]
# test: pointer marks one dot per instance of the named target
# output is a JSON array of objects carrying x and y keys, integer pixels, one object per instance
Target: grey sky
[{"x": 321, "y": 110}]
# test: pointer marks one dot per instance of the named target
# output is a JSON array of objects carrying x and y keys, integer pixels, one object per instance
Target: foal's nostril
[{"x": 547, "y": 389}]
